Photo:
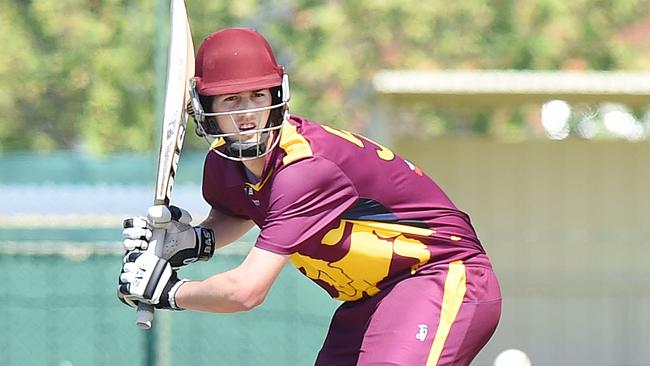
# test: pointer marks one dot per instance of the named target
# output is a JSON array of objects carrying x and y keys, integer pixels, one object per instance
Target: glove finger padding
[
  {"x": 136, "y": 233},
  {"x": 135, "y": 238},
  {"x": 123, "y": 280},
  {"x": 141, "y": 275},
  {"x": 137, "y": 222},
  {"x": 149, "y": 279}
]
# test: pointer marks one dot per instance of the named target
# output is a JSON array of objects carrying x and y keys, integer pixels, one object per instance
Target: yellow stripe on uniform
[
  {"x": 452, "y": 299},
  {"x": 395, "y": 228},
  {"x": 294, "y": 144}
]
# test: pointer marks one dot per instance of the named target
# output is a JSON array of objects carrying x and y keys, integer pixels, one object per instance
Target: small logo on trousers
[{"x": 422, "y": 333}]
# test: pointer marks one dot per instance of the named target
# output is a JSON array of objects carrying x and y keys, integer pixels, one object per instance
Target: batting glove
[
  {"x": 148, "y": 279},
  {"x": 183, "y": 244}
]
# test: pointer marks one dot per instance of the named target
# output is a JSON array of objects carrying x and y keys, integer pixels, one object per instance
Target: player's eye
[{"x": 260, "y": 94}]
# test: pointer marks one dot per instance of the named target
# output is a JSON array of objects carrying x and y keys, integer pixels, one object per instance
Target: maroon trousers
[{"x": 443, "y": 315}]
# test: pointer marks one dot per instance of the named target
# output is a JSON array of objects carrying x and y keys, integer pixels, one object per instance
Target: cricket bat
[{"x": 180, "y": 68}]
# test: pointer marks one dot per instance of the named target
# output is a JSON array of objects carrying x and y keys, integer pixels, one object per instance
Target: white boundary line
[
  {"x": 62, "y": 221},
  {"x": 80, "y": 251},
  {"x": 512, "y": 81}
]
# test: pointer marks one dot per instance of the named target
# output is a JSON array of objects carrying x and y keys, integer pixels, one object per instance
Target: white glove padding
[
  {"x": 148, "y": 279},
  {"x": 183, "y": 243}
]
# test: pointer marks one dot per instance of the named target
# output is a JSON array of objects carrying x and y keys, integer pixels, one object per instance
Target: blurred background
[{"x": 533, "y": 115}]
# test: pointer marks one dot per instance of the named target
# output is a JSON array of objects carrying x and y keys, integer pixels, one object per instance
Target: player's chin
[{"x": 249, "y": 137}]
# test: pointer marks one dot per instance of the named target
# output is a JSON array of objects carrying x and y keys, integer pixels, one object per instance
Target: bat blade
[{"x": 180, "y": 68}]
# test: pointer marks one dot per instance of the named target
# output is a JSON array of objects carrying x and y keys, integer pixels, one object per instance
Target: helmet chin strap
[{"x": 248, "y": 149}]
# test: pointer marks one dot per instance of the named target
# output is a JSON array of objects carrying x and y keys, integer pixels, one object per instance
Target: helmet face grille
[{"x": 248, "y": 144}]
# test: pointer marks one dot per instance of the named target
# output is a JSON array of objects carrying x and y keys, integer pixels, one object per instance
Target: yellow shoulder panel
[{"x": 294, "y": 144}]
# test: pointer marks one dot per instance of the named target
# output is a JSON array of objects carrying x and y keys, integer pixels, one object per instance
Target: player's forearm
[
  {"x": 227, "y": 229},
  {"x": 221, "y": 293}
]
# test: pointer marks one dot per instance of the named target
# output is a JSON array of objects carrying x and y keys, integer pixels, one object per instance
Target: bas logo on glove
[{"x": 206, "y": 239}]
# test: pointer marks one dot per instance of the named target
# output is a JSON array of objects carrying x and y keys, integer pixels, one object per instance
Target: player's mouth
[
  {"x": 247, "y": 126},
  {"x": 247, "y": 131}
]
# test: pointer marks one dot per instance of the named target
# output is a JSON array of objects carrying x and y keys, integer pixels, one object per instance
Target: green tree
[
  {"x": 80, "y": 74},
  {"x": 75, "y": 75}
]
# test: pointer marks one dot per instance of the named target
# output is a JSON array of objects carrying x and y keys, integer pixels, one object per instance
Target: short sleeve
[{"x": 306, "y": 197}]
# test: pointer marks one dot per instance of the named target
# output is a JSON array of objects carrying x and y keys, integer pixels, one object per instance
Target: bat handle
[{"x": 144, "y": 316}]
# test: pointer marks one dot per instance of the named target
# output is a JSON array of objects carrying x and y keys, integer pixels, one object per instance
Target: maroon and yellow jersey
[{"x": 353, "y": 216}]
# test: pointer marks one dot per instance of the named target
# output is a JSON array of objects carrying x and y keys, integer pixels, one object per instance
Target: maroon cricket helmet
[{"x": 233, "y": 60}]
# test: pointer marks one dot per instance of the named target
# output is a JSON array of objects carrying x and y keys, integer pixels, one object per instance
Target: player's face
[{"x": 239, "y": 122}]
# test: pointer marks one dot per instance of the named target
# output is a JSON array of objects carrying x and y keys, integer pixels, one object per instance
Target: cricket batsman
[{"x": 370, "y": 228}]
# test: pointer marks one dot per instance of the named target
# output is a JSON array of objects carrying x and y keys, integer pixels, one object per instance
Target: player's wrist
[{"x": 168, "y": 300}]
